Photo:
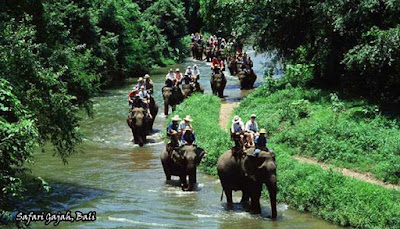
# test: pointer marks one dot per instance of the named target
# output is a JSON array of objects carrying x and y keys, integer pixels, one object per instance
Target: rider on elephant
[
  {"x": 188, "y": 71},
  {"x": 188, "y": 137},
  {"x": 149, "y": 84},
  {"x": 221, "y": 63},
  {"x": 145, "y": 97},
  {"x": 174, "y": 133},
  {"x": 196, "y": 73},
  {"x": 261, "y": 142},
  {"x": 237, "y": 129},
  {"x": 215, "y": 65},
  {"x": 185, "y": 123},
  {"x": 138, "y": 102},
  {"x": 177, "y": 77},
  {"x": 140, "y": 83},
  {"x": 251, "y": 130}
]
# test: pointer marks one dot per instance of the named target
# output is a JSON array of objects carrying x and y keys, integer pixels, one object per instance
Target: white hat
[
  {"x": 188, "y": 118},
  {"x": 177, "y": 70},
  {"x": 176, "y": 118},
  {"x": 236, "y": 119},
  {"x": 263, "y": 131},
  {"x": 188, "y": 67},
  {"x": 140, "y": 79},
  {"x": 253, "y": 116},
  {"x": 187, "y": 128},
  {"x": 146, "y": 76},
  {"x": 142, "y": 87}
]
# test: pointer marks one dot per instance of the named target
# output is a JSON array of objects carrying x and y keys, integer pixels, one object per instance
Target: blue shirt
[
  {"x": 173, "y": 126},
  {"x": 183, "y": 138},
  {"x": 260, "y": 141}
]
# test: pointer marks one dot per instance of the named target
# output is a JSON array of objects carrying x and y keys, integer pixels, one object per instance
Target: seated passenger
[
  {"x": 261, "y": 141},
  {"x": 188, "y": 137},
  {"x": 237, "y": 129},
  {"x": 173, "y": 131},
  {"x": 251, "y": 130}
]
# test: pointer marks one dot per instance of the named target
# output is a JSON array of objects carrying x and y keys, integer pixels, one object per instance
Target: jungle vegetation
[{"x": 55, "y": 55}]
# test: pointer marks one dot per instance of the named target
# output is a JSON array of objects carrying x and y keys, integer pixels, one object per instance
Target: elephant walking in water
[
  {"x": 172, "y": 97},
  {"x": 138, "y": 123},
  {"x": 218, "y": 83},
  {"x": 247, "y": 78},
  {"x": 182, "y": 161},
  {"x": 248, "y": 173}
]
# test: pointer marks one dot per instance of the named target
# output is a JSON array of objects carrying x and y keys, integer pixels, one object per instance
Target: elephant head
[
  {"x": 137, "y": 122},
  {"x": 167, "y": 92},
  {"x": 187, "y": 158},
  {"x": 262, "y": 170}
]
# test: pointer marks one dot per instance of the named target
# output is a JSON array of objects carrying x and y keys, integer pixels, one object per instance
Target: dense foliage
[
  {"x": 353, "y": 45},
  {"x": 330, "y": 195},
  {"x": 55, "y": 55}
]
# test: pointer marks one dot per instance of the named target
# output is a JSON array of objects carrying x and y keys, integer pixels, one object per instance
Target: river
[{"x": 125, "y": 184}]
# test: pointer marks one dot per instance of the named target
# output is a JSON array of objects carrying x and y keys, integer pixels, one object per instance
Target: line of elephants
[
  {"x": 247, "y": 77},
  {"x": 238, "y": 169}
]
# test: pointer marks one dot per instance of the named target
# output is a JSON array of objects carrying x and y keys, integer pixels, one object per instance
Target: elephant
[
  {"x": 218, "y": 83},
  {"x": 197, "y": 51},
  {"x": 186, "y": 90},
  {"x": 208, "y": 53},
  {"x": 247, "y": 77},
  {"x": 172, "y": 97},
  {"x": 198, "y": 88},
  {"x": 241, "y": 170},
  {"x": 232, "y": 66},
  {"x": 153, "y": 111},
  {"x": 182, "y": 161},
  {"x": 137, "y": 121}
]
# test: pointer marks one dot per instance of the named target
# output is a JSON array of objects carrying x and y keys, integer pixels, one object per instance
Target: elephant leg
[
  {"x": 166, "y": 171},
  {"x": 228, "y": 194},
  {"x": 255, "y": 200},
  {"x": 245, "y": 197},
  {"x": 183, "y": 181},
  {"x": 165, "y": 108}
]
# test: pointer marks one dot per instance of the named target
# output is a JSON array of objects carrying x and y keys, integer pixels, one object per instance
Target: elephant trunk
[
  {"x": 191, "y": 171},
  {"x": 272, "y": 190}
]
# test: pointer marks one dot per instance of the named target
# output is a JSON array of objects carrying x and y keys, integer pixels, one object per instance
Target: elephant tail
[{"x": 222, "y": 195}]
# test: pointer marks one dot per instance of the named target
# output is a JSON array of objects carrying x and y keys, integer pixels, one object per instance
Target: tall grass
[{"x": 330, "y": 195}]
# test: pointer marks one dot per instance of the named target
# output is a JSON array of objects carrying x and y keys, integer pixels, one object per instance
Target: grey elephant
[
  {"x": 182, "y": 161},
  {"x": 172, "y": 97},
  {"x": 243, "y": 171},
  {"x": 137, "y": 121},
  {"x": 247, "y": 78},
  {"x": 218, "y": 83}
]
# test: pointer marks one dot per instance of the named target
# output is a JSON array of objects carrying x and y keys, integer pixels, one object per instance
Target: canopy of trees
[{"x": 354, "y": 45}]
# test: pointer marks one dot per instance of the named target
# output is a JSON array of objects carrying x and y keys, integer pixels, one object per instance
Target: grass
[
  {"x": 349, "y": 134},
  {"x": 330, "y": 195}
]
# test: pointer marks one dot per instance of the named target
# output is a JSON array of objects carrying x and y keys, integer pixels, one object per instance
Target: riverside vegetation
[
  {"x": 314, "y": 122},
  {"x": 56, "y": 55}
]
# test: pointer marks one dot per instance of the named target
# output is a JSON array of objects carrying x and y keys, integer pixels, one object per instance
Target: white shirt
[
  {"x": 171, "y": 76},
  {"x": 183, "y": 125},
  {"x": 237, "y": 127},
  {"x": 251, "y": 126},
  {"x": 188, "y": 72},
  {"x": 196, "y": 72}
]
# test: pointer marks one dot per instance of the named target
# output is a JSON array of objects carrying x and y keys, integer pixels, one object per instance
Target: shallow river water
[{"x": 125, "y": 184}]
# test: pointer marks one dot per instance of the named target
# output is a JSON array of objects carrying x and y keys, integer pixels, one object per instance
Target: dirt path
[
  {"x": 367, "y": 177},
  {"x": 225, "y": 115}
]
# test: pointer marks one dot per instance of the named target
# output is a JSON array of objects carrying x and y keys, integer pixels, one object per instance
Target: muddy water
[{"x": 126, "y": 185}]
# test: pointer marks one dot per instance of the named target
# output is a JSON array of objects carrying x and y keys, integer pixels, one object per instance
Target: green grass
[
  {"x": 348, "y": 134},
  {"x": 330, "y": 195}
]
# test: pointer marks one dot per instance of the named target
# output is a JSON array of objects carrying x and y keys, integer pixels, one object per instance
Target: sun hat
[
  {"x": 236, "y": 119},
  {"x": 142, "y": 87},
  {"x": 189, "y": 67},
  {"x": 176, "y": 118},
  {"x": 187, "y": 128},
  {"x": 140, "y": 79},
  {"x": 147, "y": 76},
  {"x": 177, "y": 70},
  {"x": 170, "y": 70},
  {"x": 188, "y": 118},
  {"x": 263, "y": 131},
  {"x": 253, "y": 116}
]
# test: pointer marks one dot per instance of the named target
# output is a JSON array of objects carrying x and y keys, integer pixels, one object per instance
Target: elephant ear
[{"x": 200, "y": 152}]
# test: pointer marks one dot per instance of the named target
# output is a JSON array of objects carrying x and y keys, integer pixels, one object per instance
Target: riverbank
[{"x": 326, "y": 193}]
